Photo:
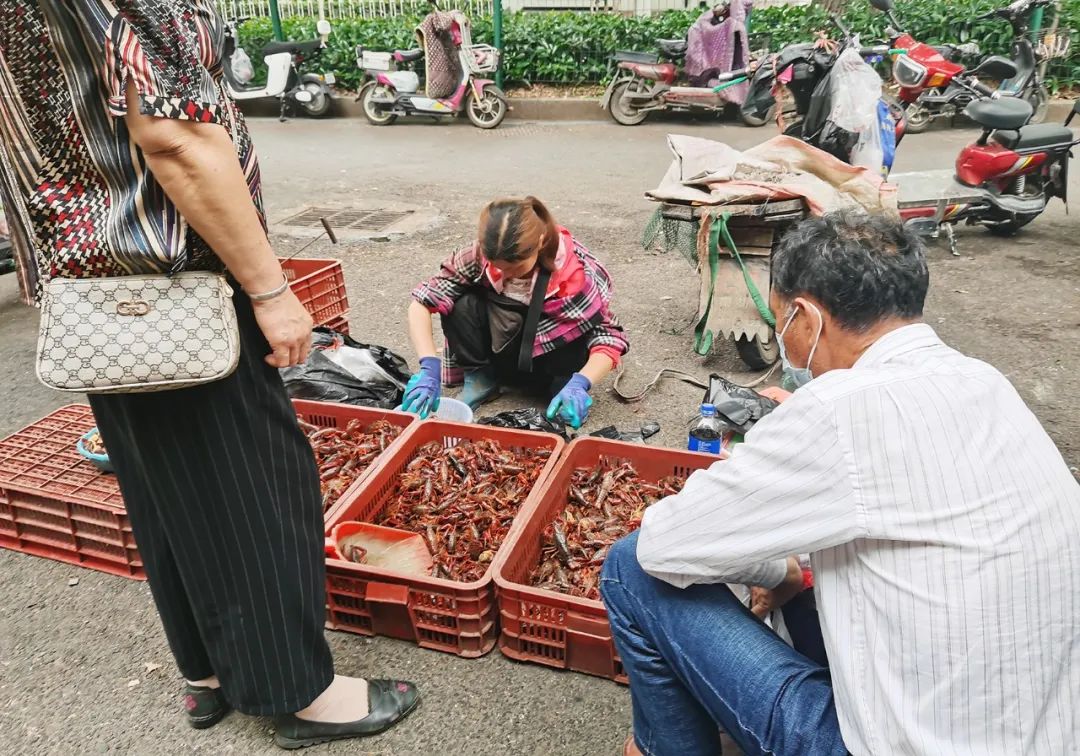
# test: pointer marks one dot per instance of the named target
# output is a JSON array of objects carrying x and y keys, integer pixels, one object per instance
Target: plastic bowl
[
  {"x": 454, "y": 410},
  {"x": 101, "y": 460}
]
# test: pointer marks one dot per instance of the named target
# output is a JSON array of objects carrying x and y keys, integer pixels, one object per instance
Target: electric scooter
[
  {"x": 1003, "y": 181},
  {"x": 283, "y": 80},
  {"x": 644, "y": 85},
  {"x": 926, "y": 74},
  {"x": 388, "y": 93}
]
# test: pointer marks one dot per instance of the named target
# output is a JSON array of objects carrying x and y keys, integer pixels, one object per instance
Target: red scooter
[{"x": 1004, "y": 180}]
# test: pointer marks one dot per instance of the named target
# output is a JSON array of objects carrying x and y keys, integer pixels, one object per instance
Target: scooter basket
[{"x": 483, "y": 59}]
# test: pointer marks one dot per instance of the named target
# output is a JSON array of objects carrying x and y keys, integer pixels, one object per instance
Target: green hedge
[{"x": 574, "y": 48}]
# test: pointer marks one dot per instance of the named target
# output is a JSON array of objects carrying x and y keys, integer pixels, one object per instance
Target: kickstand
[
  {"x": 951, "y": 236},
  {"x": 283, "y": 113}
]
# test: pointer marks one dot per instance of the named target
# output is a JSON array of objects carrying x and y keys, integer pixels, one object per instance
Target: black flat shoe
[
  {"x": 389, "y": 701},
  {"x": 205, "y": 706}
]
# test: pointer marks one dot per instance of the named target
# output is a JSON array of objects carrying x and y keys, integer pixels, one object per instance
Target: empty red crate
[
  {"x": 328, "y": 415},
  {"x": 552, "y": 628},
  {"x": 55, "y": 504},
  {"x": 320, "y": 287},
  {"x": 459, "y": 618}
]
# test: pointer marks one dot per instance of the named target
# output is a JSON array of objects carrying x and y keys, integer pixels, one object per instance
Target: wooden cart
[{"x": 726, "y": 308}]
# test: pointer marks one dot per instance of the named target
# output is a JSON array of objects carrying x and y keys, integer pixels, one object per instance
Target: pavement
[{"x": 85, "y": 668}]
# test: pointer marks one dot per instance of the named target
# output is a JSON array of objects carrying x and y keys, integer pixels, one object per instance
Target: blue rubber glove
[
  {"x": 573, "y": 402},
  {"x": 424, "y": 389}
]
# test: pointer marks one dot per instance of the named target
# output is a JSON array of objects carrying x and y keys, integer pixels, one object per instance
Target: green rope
[{"x": 703, "y": 338}]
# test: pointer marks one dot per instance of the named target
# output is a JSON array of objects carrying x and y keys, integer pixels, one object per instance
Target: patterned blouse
[
  {"x": 76, "y": 191},
  {"x": 572, "y": 311}
]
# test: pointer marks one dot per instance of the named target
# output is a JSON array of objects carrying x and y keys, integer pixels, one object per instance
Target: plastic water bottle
[{"x": 707, "y": 432}]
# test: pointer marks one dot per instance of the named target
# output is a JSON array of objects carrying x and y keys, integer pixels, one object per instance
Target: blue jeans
[{"x": 698, "y": 660}]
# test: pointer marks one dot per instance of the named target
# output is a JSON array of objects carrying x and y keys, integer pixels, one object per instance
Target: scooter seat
[
  {"x": 672, "y": 48},
  {"x": 408, "y": 56},
  {"x": 1035, "y": 135},
  {"x": 293, "y": 48},
  {"x": 1004, "y": 113}
]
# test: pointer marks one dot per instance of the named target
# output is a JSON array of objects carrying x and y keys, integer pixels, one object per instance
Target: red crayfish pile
[
  {"x": 604, "y": 504},
  {"x": 463, "y": 500},
  {"x": 343, "y": 454}
]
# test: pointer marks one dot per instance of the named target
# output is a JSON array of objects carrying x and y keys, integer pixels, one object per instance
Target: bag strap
[{"x": 532, "y": 319}]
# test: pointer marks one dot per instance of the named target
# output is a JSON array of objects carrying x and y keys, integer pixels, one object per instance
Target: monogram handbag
[{"x": 138, "y": 333}]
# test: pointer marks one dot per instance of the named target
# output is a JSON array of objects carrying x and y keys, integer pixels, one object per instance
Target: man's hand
[
  {"x": 764, "y": 600},
  {"x": 287, "y": 326}
]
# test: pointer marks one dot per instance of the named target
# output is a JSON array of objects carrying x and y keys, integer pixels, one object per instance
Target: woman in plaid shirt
[{"x": 499, "y": 332}]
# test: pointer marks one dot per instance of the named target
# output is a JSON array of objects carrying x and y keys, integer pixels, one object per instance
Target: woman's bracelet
[{"x": 271, "y": 294}]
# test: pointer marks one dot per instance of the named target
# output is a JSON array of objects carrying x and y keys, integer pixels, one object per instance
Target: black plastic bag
[
  {"x": 527, "y": 418},
  {"x": 741, "y": 406},
  {"x": 639, "y": 436},
  {"x": 341, "y": 369}
]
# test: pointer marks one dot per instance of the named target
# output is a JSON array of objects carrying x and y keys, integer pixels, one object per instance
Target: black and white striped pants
[{"x": 223, "y": 495}]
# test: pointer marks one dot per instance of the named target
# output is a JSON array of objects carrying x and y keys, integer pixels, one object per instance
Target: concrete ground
[{"x": 85, "y": 668}]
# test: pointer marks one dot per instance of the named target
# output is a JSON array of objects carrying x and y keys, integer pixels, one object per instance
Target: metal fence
[
  {"x": 393, "y": 8},
  {"x": 345, "y": 8}
]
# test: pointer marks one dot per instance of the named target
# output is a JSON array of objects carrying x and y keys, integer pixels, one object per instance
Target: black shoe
[
  {"x": 205, "y": 706},
  {"x": 389, "y": 701}
]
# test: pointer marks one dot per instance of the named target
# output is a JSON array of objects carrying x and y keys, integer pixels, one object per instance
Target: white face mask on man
[{"x": 799, "y": 376}]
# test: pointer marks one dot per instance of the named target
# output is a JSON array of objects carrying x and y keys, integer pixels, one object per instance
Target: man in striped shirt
[{"x": 941, "y": 520}]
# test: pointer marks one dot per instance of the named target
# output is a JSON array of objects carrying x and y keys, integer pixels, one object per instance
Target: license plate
[{"x": 329, "y": 78}]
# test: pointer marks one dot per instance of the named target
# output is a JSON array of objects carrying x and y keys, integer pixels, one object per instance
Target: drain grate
[{"x": 378, "y": 219}]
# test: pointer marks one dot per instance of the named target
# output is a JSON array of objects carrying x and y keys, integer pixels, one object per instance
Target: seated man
[{"x": 941, "y": 520}]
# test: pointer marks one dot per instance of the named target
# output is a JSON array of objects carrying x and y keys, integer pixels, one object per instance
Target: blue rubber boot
[{"x": 480, "y": 387}]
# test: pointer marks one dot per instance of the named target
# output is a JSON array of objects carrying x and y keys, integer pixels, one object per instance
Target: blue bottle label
[{"x": 705, "y": 447}]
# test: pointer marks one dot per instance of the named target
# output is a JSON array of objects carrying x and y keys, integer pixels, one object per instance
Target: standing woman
[
  {"x": 121, "y": 154},
  {"x": 525, "y": 305}
]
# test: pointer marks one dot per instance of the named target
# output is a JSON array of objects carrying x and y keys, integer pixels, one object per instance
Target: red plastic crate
[
  {"x": 320, "y": 287},
  {"x": 552, "y": 628},
  {"x": 55, "y": 504},
  {"x": 459, "y": 618},
  {"x": 329, "y": 415},
  {"x": 339, "y": 324}
]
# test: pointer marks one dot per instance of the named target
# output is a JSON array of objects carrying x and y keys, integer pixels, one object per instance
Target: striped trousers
[{"x": 222, "y": 491}]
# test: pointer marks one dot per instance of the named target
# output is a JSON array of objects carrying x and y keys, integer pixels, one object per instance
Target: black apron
[{"x": 508, "y": 317}]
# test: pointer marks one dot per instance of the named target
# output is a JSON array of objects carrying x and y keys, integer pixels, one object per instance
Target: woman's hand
[
  {"x": 573, "y": 402},
  {"x": 423, "y": 391},
  {"x": 287, "y": 327}
]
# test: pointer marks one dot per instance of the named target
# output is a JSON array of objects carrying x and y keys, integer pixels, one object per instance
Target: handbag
[{"x": 129, "y": 334}]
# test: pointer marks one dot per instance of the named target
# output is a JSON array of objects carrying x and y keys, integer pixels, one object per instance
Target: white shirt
[{"x": 944, "y": 532}]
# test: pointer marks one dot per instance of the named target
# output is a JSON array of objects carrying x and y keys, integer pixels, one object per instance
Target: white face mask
[{"x": 799, "y": 376}]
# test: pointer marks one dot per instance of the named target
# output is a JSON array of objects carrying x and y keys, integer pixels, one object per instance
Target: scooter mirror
[
  {"x": 924, "y": 228},
  {"x": 882, "y": 5},
  {"x": 323, "y": 27}
]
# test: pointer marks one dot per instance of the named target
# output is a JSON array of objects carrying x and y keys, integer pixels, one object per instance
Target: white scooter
[{"x": 283, "y": 79}]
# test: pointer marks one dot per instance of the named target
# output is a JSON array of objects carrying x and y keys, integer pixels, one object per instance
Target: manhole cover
[{"x": 375, "y": 220}]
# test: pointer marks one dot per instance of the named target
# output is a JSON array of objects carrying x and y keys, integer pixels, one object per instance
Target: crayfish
[
  {"x": 603, "y": 505},
  {"x": 343, "y": 454},
  {"x": 462, "y": 500}
]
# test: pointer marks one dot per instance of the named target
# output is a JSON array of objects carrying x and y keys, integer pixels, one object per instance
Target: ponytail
[{"x": 514, "y": 229}]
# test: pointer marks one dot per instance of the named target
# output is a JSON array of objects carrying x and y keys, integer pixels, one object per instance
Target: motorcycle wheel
[
  {"x": 487, "y": 111},
  {"x": 374, "y": 113},
  {"x": 623, "y": 114},
  {"x": 754, "y": 122},
  {"x": 1040, "y": 104},
  {"x": 918, "y": 118},
  {"x": 319, "y": 107},
  {"x": 1011, "y": 226},
  {"x": 757, "y": 355}
]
